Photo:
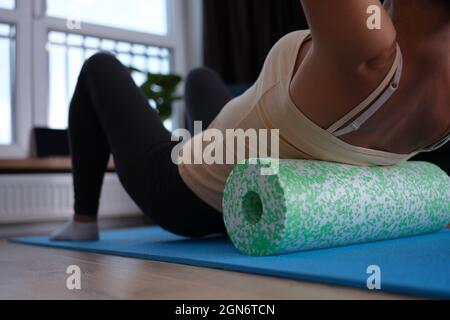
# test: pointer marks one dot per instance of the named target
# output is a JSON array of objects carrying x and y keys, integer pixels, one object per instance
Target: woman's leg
[
  {"x": 90, "y": 150},
  {"x": 110, "y": 114},
  {"x": 206, "y": 95}
]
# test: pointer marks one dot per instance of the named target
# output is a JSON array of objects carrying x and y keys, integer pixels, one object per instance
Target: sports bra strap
[
  {"x": 438, "y": 145},
  {"x": 389, "y": 90}
]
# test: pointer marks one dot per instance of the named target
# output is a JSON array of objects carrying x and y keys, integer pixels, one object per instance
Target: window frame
[
  {"x": 31, "y": 106},
  {"x": 21, "y": 98}
]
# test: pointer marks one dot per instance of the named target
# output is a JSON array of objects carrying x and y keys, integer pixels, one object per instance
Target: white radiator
[{"x": 46, "y": 197}]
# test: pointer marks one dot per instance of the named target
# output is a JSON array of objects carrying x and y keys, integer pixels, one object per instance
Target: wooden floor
[{"x": 28, "y": 272}]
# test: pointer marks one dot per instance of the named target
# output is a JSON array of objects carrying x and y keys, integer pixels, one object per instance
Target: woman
[{"x": 397, "y": 77}]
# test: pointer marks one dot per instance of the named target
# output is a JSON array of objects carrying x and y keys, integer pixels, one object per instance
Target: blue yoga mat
[{"x": 414, "y": 266}]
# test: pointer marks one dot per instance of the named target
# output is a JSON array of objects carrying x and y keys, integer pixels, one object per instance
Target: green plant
[{"x": 161, "y": 91}]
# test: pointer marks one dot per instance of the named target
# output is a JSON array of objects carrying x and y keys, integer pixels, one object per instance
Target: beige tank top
[{"x": 268, "y": 105}]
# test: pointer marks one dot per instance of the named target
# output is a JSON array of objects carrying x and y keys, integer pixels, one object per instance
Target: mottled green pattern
[{"x": 312, "y": 205}]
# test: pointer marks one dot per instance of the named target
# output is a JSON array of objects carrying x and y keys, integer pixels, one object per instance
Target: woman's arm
[
  {"x": 346, "y": 60},
  {"x": 340, "y": 32}
]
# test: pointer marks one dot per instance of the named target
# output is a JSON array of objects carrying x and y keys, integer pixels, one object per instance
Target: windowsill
[{"x": 34, "y": 165}]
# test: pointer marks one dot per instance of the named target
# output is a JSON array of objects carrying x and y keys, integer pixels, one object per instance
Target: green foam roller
[{"x": 312, "y": 205}]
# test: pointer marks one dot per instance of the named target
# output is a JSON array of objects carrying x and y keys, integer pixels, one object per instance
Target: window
[
  {"x": 149, "y": 16},
  {"x": 132, "y": 30},
  {"x": 7, "y": 53},
  {"x": 67, "y": 52},
  {"x": 43, "y": 44},
  {"x": 7, "y": 4}
]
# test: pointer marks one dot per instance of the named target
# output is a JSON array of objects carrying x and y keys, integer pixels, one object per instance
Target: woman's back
[
  {"x": 415, "y": 116},
  {"x": 418, "y": 114}
]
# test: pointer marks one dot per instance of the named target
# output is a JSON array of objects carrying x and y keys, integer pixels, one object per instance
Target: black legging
[{"x": 110, "y": 115}]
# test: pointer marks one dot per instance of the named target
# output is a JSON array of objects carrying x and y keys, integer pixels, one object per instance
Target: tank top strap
[{"x": 376, "y": 100}]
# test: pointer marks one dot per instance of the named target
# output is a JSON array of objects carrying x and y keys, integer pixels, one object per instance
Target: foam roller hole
[{"x": 252, "y": 207}]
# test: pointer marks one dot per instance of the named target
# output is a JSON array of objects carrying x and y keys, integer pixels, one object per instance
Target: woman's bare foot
[{"x": 80, "y": 228}]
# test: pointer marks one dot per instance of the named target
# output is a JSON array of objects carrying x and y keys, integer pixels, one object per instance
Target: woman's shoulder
[
  {"x": 285, "y": 49},
  {"x": 292, "y": 38}
]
